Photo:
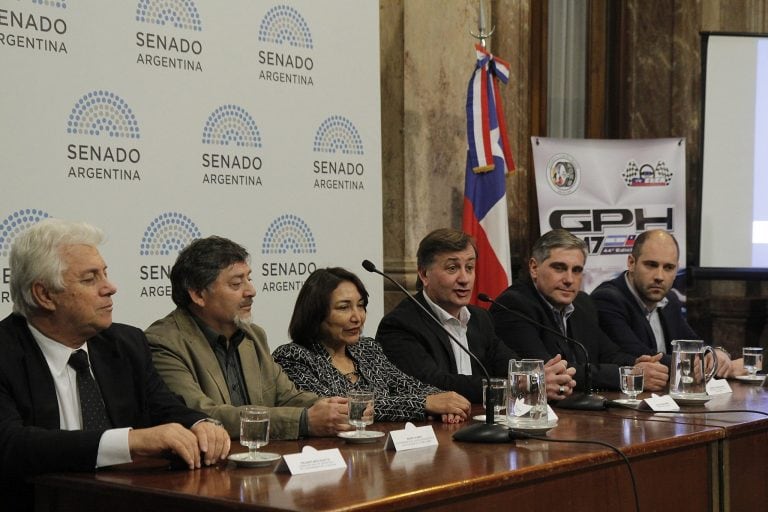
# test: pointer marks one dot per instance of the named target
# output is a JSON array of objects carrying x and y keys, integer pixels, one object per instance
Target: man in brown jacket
[{"x": 212, "y": 356}]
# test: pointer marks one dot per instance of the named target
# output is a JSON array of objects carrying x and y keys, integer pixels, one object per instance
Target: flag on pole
[{"x": 489, "y": 158}]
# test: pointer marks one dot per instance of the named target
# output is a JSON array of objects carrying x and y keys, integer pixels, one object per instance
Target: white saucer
[
  {"x": 752, "y": 379},
  {"x": 535, "y": 430},
  {"x": 244, "y": 459},
  {"x": 366, "y": 436},
  {"x": 500, "y": 419},
  {"x": 691, "y": 400}
]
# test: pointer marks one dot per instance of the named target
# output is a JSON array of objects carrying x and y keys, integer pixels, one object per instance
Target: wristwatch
[
  {"x": 214, "y": 421},
  {"x": 722, "y": 349}
]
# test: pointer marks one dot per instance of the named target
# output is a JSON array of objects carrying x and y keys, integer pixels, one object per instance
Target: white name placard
[
  {"x": 662, "y": 403},
  {"x": 310, "y": 460},
  {"x": 411, "y": 437},
  {"x": 718, "y": 387}
]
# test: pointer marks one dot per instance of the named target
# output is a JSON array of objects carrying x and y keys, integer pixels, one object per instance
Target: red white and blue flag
[{"x": 488, "y": 161}]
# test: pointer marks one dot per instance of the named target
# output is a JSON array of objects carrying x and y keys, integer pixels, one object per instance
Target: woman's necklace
[{"x": 353, "y": 375}]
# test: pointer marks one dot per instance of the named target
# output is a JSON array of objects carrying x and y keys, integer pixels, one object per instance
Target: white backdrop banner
[
  {"x": 608, "y": 192},
  {"x": 165, "y": 121}
]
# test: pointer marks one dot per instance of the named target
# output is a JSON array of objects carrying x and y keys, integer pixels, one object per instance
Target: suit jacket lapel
[
  {"x": 203, "y": 352},
  {"x": 648, "y": 337},
  {"x": 41, "y": 389},
  {"x": 114, "y": 376},
  {"x": 249, "y": 362},
  {"x": 548, "y": 319}
]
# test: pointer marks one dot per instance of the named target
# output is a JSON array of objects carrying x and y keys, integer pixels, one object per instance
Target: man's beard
[{"x": 243, "y": 320}]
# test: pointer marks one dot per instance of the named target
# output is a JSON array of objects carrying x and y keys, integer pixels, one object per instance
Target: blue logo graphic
[
  {"x": 168, "y": 233},
  {"x": 14, "y": 224},
  {"x": 288, "y": 234},
  {"x": 178, "y": 13},
  {"x": 284, "y": 25},
  {"x": 230, "y": 123},
  {"x": 103, "y": 112},
  {"x": 338, "y": 134},
  {"x": 61, "y": 4}
]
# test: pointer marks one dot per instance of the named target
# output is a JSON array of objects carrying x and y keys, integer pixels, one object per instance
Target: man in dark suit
[
  {"x": 53, "y": 415},
  {"x": 551, "y": 295},
  {"x": 417, "y": 345},
  {"x": 638, "y": 309}
]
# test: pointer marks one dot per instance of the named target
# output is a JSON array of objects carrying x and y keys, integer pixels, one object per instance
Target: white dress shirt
[{"x": 457, "y": 327}]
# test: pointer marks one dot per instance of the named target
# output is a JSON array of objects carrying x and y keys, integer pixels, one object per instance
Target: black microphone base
[
  {"x": 582, "y": 402},
  {"x": 483, "y": 433}
]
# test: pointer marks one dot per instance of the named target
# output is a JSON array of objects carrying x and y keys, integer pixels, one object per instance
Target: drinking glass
[
  {"x": 498, "y": 390},
  {"x": 360, "y": 410},
  {"x": 631, "y": 380},
  {"x": 753, "y": 360},
  {"x": 254, "y": 429}
]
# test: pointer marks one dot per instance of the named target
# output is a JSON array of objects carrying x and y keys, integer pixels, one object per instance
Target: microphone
[
  {"x": 581, "y": 401},
  {"x": 487, "y": 432}
]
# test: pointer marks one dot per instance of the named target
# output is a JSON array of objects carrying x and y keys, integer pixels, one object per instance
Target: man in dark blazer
[
  {"x": 638, "y": 309},
  {"x": 420, "y": 347},
  {"x": 550, "y": 294},
  {"x": 62, "y": 302}
]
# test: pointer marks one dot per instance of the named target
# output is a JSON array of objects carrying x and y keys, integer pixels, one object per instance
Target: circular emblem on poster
[{"x": 563, "y": 174}]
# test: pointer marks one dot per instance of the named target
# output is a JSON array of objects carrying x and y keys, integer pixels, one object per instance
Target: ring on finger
[{"x": 561, "y": 390}]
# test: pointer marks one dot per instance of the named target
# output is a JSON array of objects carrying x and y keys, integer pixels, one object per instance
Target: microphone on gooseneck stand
[
  {"x": 581, "y": 401},
  {"x": 487, "y": 432}
]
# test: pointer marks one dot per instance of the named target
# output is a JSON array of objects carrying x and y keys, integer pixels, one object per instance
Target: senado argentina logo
[
  {"x": 16, "y": 223},
  {"x": 164, "y": 47},
  {"x": 234, "y": 127},
  {"x": 231, "y": 124},
  {"x": 168, "y": 234},
  {"x": 283, "y": 24},
  {"x": 103, "y": 112},
  {"x": 180, "y": 14},
  {"x": 344, "y": 170},
  {"x": 288, "y": 234},
  {"x": 337, "y": 134}
]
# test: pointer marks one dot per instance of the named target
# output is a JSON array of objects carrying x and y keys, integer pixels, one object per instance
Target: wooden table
[
  {"x": 453, "y": 475},
  {"x": 743, "y": 450}
]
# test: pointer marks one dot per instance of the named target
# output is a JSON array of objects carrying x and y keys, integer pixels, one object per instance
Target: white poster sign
[
  {"x": 608, "y": 192},
  {"x": 166, "y": 121}
]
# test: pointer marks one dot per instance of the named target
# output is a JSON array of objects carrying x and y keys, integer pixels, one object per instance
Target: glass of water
[
  {"x": 360, "y": 410},
  {"x": 753, "y": 360},
  {"x": 631, "y": 380},
  {"x": 254, "y": 429},
  {"x": 498, "y": 390}
]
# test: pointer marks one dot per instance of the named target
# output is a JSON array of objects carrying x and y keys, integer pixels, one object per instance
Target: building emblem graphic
[
  {"x": 61, "y": 4},
  {"x": 283, "y": 24},
  {"x": 288, "y": 234},
  {"x": 231, "y": 124},
  {"x": 563, "y": 174},
  {"x": 181, "y": 14},
  {"x": 337, "y": 134},
  {"x": 14, "y": 224},
  {"x": 103, "y": 113},
  {"x": 168, "y": 234}
]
